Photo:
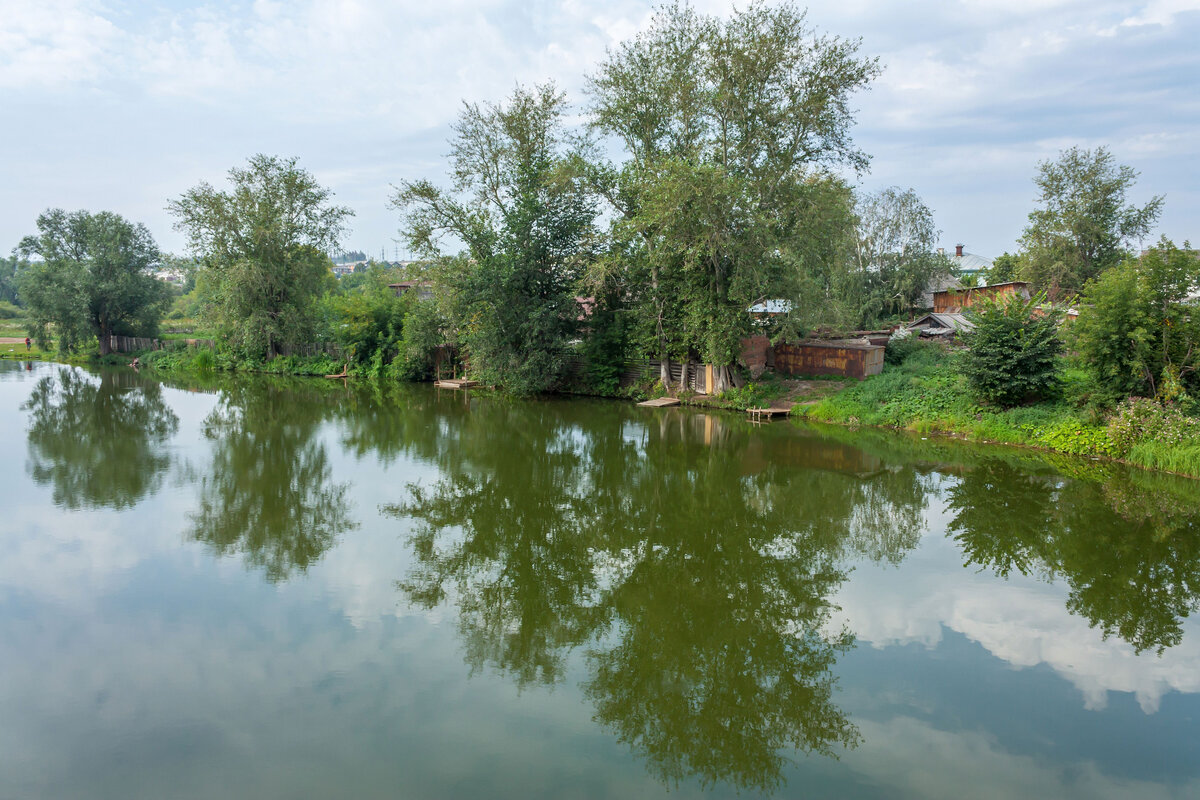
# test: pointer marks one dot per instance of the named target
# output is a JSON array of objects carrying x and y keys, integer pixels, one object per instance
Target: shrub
[
  {"x": 899, "y": 348},
  {"x": 1013, "y": 351},
  {"x": 1139, "y": 421}
]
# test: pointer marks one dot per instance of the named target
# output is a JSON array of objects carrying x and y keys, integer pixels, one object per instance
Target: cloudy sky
[{"x": 123, "y": 104}]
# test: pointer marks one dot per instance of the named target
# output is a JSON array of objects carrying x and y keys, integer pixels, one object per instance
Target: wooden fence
[{"x": 130, "y": 344}]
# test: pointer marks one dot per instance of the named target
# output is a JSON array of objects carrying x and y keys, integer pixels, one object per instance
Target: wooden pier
[
  {"x": 660, "y": 402},
  {"x": 455, "y": 383},
  {"x": 782, "y": 409}
]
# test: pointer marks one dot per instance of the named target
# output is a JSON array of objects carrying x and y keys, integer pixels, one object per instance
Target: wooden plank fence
[{"x": 130, "y": 344}]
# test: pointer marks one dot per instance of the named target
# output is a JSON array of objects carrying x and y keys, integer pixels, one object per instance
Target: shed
[
  {"x": 936, "y": 324},
  {"x": 952, "y": 301},
  {"x": 852, "y": 359}
]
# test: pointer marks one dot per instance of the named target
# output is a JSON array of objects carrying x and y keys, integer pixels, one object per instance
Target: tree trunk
[
  {"x": 105, "y": 342},
  {"x": 684, "y": 368},
  {"x": 664, "y": 370},
  {"x": 720, "y": 379}
]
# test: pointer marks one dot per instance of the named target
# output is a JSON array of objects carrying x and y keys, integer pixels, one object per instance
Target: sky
[{"x": 122, "y": 106}]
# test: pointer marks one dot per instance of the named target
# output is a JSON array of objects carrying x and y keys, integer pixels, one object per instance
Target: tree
[
  {"x": 1137, "y": 333},
  {"x": 731, "y": 130},
  {"x": 262, "y": 248},
  {"x": 1006, "y": 267},
  {"x": 894, "y": 254},
  {"x": 1084, "y": 222},
  {"x": 10, "y": 269},
  {"x": 522, "y": 208},
  {"x": 93, "y": 278},
  {"x": 1013, "y": 352}
]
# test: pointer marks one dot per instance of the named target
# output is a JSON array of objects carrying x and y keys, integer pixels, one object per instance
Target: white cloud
[{"x": 1021, "y": 621}]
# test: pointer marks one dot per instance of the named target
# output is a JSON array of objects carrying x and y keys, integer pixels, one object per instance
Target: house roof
[
  {"x": 949, "y": 322},
  {"x": 971, "y": 262}
]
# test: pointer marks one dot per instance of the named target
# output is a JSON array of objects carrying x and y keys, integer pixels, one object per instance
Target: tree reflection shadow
[
  {"x": 269, "y": 493},
  {"x": 1123, "y": 541},
  {"x": 693, "y": 567},
  {"x": 100, "y": 441}
]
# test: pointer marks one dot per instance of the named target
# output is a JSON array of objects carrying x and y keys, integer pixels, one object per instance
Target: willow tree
[
  {"x": 732, "y": 129},
  {"x": 521, "y": 206},
  {"x": 261, "y": 249}
]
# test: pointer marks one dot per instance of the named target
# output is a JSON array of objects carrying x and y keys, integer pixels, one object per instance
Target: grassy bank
[{"x": 928, "y": 394}]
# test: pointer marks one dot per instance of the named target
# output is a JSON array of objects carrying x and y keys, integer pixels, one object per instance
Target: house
[
  {"x": 964, "y": 265},
  {"x": 952, "y": 301},
  {"x": 967, "y": 263},
  {"x": 424, "y": 289}
]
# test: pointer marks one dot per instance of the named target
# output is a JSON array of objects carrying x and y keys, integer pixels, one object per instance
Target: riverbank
[{"x": 928, "y": 394}]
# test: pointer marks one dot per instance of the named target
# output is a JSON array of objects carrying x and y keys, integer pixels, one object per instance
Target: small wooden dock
[
  {"x": 660, "y": 402},
  {"x": 455, "y": 383},
  {"x": 775, "y": 409}
]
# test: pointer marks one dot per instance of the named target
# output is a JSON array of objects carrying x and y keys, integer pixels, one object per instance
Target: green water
[{"x": 278, "y": 589}]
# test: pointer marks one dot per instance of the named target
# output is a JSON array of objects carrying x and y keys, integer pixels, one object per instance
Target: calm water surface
[{"x": 281, "y": 589}]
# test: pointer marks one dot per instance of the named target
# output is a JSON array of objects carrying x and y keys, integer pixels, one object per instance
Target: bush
[
  {"x": 1139, "y": 421},
  {"x": 899, "y": 348},
  {"x": 1013, "y": 352},
  {"x": 9, "y": 311}
]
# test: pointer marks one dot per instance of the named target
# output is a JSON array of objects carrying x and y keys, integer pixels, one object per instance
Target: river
[{"x": 271, "y": 588}]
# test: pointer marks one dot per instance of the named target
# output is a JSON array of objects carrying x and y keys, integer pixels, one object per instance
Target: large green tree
[
  {"x": 1084, "y": 222},
  {"x": 92, "y": 277},
  {"x": 522, "y": 208},
  {"x": 261, "y": 248},
  {"x": 894, "y": 257},
  {"x": 731, "y": 128},
  {"x": 1138, "y": 331}
]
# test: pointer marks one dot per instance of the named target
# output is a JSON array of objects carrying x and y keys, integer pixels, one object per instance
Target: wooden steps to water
[
  {"x": 455, "y": 383},
  {"x": 770, "y": 412},
  {"x": 660, "y": 402}
]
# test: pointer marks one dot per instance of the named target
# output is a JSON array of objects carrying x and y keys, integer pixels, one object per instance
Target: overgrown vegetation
[
  {"x": 930, "y": 393},
  {"x": 1012, "y": 353}
]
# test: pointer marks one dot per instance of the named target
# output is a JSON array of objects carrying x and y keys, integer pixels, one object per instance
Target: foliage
[
  {"x": 10, "y": 311},
  {"x": 524, "y": 213},
  {"x": 604, "y": 347},
  {"x": 731, "y": 129},
  {"x": 10, "y": 269},
  {"x": 1140, "y": 420},
  {"x": 1005, "y": 267},
  {"x": 894, "y": 258},
  {"x": 261, "y": 249},
  {"x": 368, "y": 322},
  {"x": 899, "y": 348},
  {"x": 1013, "y": 352},
  {"x": 1137, "y": 330},
  {"x": 1084, "y": 222},
  {"x": 93, "y": 280},
  {"x": 752, "y": 395}
]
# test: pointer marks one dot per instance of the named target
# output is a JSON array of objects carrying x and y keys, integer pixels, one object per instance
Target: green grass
[{"x": 927, "y": 394}]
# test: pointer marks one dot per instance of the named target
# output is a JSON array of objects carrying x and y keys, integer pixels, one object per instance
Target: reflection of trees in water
[
  {"x": 694, "y": 563},
  {"x": 269, "y": 493},
  {"x": 100, "y": 441},
  {"x": 1124, "y": 542}
]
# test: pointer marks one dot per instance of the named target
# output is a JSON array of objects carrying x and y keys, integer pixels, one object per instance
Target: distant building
[
  {"x": 424, "y": 289},
  {"x": 953, "y": 301},
  {"x": 342, "y": 270},
  {"x": 967, "y": 263},
  {"x": 964, "y": 264}
]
